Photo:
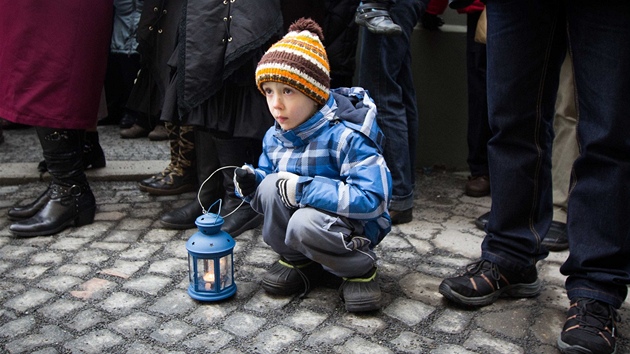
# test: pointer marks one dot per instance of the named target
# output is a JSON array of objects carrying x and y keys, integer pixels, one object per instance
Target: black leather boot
[
  {"x": 211, "y": 191},
  {"x": 93, "y": 155},
  {"x": 29, "y": 210},
  {"x": 172, "y": 131},
  {"x": 70, "y": 198},
  {"x": 236, "y": 152},
  {"x": 375, "y": 17}
]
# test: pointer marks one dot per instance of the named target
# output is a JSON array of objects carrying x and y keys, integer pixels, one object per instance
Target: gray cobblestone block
[
  {"x": 85, "y": 320},
  {"x": 243, "y": 324},
  {"x": 358, "y": 345},
  {"x": 28, "y": 300},
  {"x": 150, "y": 284},
  {"x": 275, "y": 340},
  {"x": 94, "y": 342},
  {"x": 452, "y": 322},
  {"x": 362, "y": 324},
  {"x": 484, "y": 343},
  {"x": 328, "y": 336},
  {"x": 121, "y": 303},
  {"x": 176, "y": 302},
  {"x": 48, "y": 335},
  {"x": 134, "y": 325},
  {"x": 172, "y": 332},
  {"x": 408, "y": 311}
]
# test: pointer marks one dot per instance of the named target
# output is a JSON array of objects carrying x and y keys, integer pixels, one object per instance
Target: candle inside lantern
[{"x": 209, "y": 279}]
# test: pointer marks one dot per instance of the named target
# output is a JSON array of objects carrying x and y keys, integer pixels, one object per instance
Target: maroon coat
[{"x": 53, "y": 56}]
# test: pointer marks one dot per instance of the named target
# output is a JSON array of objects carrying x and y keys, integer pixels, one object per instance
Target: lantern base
[{"x": 211, "y": 296}]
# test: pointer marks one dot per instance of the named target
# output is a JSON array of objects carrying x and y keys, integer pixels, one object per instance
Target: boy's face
[{"x": 288, "y": 106}]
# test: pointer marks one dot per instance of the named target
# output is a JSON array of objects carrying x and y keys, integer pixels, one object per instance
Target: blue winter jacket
[{"x": 337, "y": 154}]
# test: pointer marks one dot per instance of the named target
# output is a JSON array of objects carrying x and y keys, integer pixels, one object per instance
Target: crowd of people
[{"x": 264, "y": 93}]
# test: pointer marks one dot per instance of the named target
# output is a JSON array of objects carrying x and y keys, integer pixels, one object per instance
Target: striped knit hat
[{"x": 298, "y": 60}]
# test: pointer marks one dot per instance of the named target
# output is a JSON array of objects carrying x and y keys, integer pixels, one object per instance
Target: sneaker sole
[
  {"x": 363, "y": 305},
  {"x": 566, "y": 348},
  {"x": 514, "y": 291}
]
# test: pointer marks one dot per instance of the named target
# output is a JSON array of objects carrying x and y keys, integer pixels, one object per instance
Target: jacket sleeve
[{"x": 363, "y": 190}]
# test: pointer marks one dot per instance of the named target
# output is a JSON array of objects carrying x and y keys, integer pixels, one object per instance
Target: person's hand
[
  {"x": 287, "y": 189},
  {"x": 431, "y": 21},
  {"x": 245, "y": 180}
]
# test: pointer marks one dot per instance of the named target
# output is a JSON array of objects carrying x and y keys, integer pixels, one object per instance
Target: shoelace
[
  {"x": 307, "y": 283},
  {"x": 583, "y": 313},
  {"x": 478, "y": 267}
]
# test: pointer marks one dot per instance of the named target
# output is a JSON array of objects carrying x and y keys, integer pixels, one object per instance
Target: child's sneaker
[
  {"x": 484, "y": 282},
  {"x": 361, "y": 294},
  {"x": 288, "y": 278},
  {"x": 590, "y": 328},
  {"x": 375, "y": 17}
]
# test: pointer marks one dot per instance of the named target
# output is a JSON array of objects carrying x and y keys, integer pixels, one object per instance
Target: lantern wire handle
[{"x": 203, "y": 210}]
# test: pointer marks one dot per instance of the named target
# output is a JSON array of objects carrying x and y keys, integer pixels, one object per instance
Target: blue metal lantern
[{"x": 210, "y": 260}]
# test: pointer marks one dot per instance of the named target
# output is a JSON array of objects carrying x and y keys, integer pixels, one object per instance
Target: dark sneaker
[
  {"x": 375, "y": 17},
  {"x": 361, "y": 294},
  {"x": 590, "y": 328},
  {"x": 484, "y": 282},
  {"x": 556, "y": 239},
  {"x": 288, "y": 278}
]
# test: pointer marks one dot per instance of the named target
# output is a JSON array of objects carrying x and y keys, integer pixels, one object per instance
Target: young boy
[{"x": 321, "y": 182}]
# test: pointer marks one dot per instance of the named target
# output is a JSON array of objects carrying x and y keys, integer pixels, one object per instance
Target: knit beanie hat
[{"x": 298, "y": 60}]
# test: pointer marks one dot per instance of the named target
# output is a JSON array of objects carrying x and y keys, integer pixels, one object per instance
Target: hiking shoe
[
  {"x": 590, "y": 328},
  {"x": 484, "y": 282},
  {"x": 361, "y": 294},
  {"x": 288, "y": 278}
]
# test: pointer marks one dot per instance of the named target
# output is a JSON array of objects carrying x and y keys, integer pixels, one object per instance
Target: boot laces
[
  {"x": 482, "y": 265},
  {"x": 601, "y": 321}
]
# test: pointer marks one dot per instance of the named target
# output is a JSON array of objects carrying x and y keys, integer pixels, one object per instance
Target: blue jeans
[
  {"x": 527, "y": 41},
  {"x": 385, "y": 71}
]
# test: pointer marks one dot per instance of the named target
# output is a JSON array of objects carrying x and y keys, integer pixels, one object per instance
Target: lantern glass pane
[
  {"x": 205, "y": 267},
  {"x": 191, "y": 269},
  {"x": 226, "y": 271}
]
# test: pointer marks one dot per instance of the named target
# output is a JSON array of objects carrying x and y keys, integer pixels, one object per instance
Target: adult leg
[
  {"x": 70, "y": 199},
  {"x": 385, "y": 70}
]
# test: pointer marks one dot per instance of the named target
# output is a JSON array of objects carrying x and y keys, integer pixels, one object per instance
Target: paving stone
[
  {"x": 358, "y": 345},
  {"x": 410, "y": 312},
  {"x": 361, "y": 323},
  {"x": 451, "y": 349},
  {"x": 96, "y": 257},
  {"x": 133, "y": 325},
  {"x": 483, "y": 342},
  {"x": 61, "y": 308},
  {"x": 121, "y": 303},
  {"x": 85, "y": 320},
  {"x": 17, "y": 327},
  {"x": 29, "y": 273},
  {"x": 93, "y": 289},
  {"x": 275, "y": 340},
  {"x": 135, "y": 223},
  {"x": 243, "y": 324},
  {"x": 512, "y": 323},
  {"x": 262, "y": 302},
  {"x": 95, "y": 342},
  {"x": 176, "y": 302},
  {"x": 59, "y": 283},
  {"x": 109, "y": 216},
  {"x": 28, "y": 300},
  {"x": 452, "y": 322},
  {"x": 548, "y": 325},
  {"x": 48, "y": 335},
  {"x": 150, "y": 284},
  {"x": 15, "y": 252},
  {"x": 90, "y": 231},
  {"x": 77, "y": 270},
  {"x": 177, "y": 249},
  {"x": 140, "y": 251},
  {"x": 169, "y": 266},
  {"x": 409, "y": 342},
  {"x": 46, "y": 258},
  {"x": 211, "y": 340},
  {"x": 172, "y": 332},
  {"x": 159, "y": 235},
  {"x": 305, "y": 320},
  {"x": 421, "y": 287},
  {"x": 459, "y": 242},
  {"x": 124, "y": 269},
  {"x": 329, "y": 335}
]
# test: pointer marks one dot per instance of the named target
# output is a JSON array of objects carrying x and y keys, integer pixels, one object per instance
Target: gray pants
[{"x": 307, "y": 233}]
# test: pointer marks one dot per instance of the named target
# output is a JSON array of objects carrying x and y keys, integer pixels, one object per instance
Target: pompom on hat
[{"x": 298, "y": 60}]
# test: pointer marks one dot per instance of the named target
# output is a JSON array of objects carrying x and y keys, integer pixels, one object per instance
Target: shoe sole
[
  {"x": 476, "y": 194},
  {"x": 85, "y": 217},
  {"x": 514, "y": 291},
  {"x": 566, "y": 348},
  {"x": 363, "y": 305}
]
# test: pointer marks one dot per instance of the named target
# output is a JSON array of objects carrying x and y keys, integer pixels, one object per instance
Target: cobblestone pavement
[{"x": 119, "y": 286}]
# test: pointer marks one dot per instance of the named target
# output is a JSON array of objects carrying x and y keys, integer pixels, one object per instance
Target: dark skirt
[{"x": 238, "y": 110}]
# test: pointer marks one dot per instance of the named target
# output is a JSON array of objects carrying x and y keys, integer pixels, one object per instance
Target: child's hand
[
  {"x": 244, "y": 180},
  {"x": 287, "y": 189}
]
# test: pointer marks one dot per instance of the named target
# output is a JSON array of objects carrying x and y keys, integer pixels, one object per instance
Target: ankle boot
[
  {"x": 236, "y": 152},
  {"x": 93, "y": 155},
  {"x": 182, "y": 177},
  {"x": 375, "y": 17},
  {"x": 27, "y": 211},
  {"x": 70, "y": 198},
  {"x": 211, "y": 191},
  {"x": 172, "y": 131}
]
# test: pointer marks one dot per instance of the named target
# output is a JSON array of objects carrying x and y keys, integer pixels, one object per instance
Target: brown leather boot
[{"x": 478, "y": 186}]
